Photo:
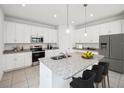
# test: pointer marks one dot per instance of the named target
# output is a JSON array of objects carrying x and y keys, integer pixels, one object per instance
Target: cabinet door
[
  {"x": 89, "y": 37},
  {"x": 20, "y": 33},
  {"x": 28, "y": 59},
  {"x": 46, "y": 36},
  {"x": 104, "y": 29},
  {"x": 115, "y": 27},
  {"x": 42, "y": 33},
  {"x": 10, "y": 32},
  {"x": 34, "y": 31},
  {"x": 52, "y": 36},
  {"x": 27, "y": 33},
  {"x": 39, "y": 31},
  {"x": 19, "y": 60},
  {"x": 9, "y": 60},
  {"x": 79, "y": 36},
  {"x": 93, "y": 34}
]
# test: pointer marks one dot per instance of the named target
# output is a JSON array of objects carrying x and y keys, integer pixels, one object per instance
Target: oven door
[{"x": 37, "y": 55}]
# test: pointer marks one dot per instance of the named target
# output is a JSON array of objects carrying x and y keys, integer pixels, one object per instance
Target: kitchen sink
[{"x": 60, "y": 57}]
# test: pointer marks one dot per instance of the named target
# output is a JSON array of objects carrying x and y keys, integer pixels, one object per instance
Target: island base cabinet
[
  {"x": 48, "y": 79},
  {"x": 17, "y": 61}
]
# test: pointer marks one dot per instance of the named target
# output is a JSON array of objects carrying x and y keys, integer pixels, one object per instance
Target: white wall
[
  {"x": 65, "y": 40},
  {"x": 1, "y": 43}
]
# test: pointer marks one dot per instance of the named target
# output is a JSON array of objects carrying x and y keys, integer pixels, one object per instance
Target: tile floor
[
  {"x": 29, "y": 78},
  {"x": 23, "y": 78}
]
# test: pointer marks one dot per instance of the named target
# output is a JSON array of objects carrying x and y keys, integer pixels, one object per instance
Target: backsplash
[
  {"x": 11, "y": 46},
  {"x": 87, "y": 45}
]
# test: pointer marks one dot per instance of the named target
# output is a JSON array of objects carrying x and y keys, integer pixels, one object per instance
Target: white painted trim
[
  {"x": 101, "y": 21},
  {"x": 29, "y": 22}
]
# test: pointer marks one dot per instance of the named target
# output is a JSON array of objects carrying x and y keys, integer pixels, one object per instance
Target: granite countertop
[
  {"x": 12, "y": 52},
  {"x": 68, "y": 67}
]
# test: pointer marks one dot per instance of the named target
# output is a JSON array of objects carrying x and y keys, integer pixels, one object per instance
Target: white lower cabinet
[
  {"x": 28, "y": 59},
  {"x": 9, "y": 62},
  {"x": 16, "y": 61},
  {"x": 19, "y": 60}
]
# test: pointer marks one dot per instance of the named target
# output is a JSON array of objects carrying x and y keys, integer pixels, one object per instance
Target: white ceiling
[{"x": 44, "y": 12}]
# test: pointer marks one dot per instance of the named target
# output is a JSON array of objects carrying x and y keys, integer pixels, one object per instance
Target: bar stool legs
[
  {"x": 97, "y": 85},
  {"x": 108, "y": 80},
  {"x": 104, "y": 81}
]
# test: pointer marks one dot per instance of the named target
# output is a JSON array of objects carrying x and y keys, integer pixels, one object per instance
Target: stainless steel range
[{"x": 37, "y": 52}]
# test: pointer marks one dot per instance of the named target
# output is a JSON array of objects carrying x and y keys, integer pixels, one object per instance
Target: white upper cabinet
[
  {"x": 34, "y": 31},
  {"x": 122, "y": 26},
  {"x": 93, "y": 34},
  {"x": 104, "y": 29},
  {"x": 79, "y": 36},
  {"x": 10, "y": 32},
  {"x": 37, "y": 31},
  {"x": 115, "y": 27},
  {"x": 27, "y": 34},
  {"x": 50, "y": 36},
  {"x": 110, "y": 28},
  {"x": 20, "y": 33}
]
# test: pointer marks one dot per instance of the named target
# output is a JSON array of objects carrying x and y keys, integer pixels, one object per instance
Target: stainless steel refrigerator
[{"x": 112, "y": 47}]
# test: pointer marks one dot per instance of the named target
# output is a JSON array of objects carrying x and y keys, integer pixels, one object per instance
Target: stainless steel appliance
[
  {"x": 112, "y": 47},
  {"x": 37, "y": 53},
  {"x": 36, "y": 39}
]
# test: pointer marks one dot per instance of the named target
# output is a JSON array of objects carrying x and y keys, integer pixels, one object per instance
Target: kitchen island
[{"x": 58, "y": 73}]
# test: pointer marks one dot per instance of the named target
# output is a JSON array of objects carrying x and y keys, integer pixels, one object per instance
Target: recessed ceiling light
[
  {"x": 54, "y": 15},
  {"x": 91, "y": 15},
  {"x": 23, "y": 5},
  {"x": 72, "y": 22}
]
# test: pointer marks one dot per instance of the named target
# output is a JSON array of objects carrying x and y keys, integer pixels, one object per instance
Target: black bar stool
[
  {"x": 86, "y": 81},
  {"x": 98, "y": 69},
  {"x": 105, "y": 72}
]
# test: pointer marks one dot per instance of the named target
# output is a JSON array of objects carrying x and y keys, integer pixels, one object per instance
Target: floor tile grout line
[
  {"x": 11, "y": 79},
  {"x": 26, "y": 78},
  {"x": 119, "y": 81}
]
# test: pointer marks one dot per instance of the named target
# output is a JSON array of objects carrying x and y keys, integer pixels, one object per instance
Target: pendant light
[
  {"x": 67, "y": 29},
  {"x": 85, "y": 33}
]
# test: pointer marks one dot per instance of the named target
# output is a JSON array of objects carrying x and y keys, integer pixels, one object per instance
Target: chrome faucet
[{"x": 65, "y": 54}]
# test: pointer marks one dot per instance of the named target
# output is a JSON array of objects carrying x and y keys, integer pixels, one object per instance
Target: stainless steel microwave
[{"x": 35, "y": 39}]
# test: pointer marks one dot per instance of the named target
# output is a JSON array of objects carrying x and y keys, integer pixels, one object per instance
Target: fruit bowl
[{"x": 87, "y": 55}]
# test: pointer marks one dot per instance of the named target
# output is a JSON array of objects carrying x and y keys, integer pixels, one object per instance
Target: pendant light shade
[
  {"x": 67, "y": 28},
  {"x": 85, "y": 33}
]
